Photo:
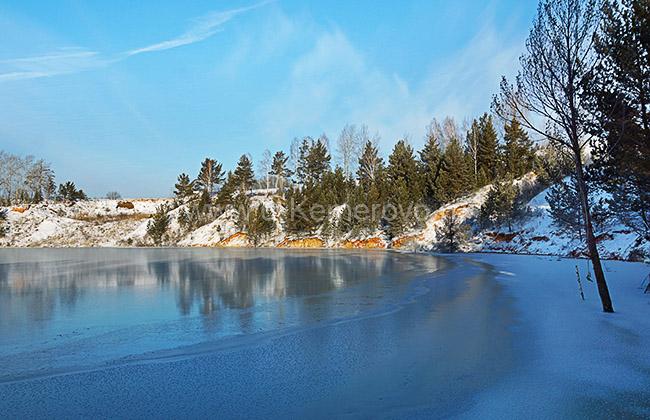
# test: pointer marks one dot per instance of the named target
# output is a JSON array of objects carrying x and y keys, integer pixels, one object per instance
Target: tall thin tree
[
  {"x": 559, "y": 54},
  {"x": 210, "y": 175}
]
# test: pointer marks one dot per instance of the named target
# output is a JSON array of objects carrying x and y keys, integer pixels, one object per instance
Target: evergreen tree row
[{"x": 393, "y": 196}]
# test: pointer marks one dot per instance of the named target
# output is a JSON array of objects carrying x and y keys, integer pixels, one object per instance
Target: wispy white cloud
[
  {"x": 334, "y": 83},
  {"x": 63, "y": 61},
  {"x": 202, "y": 28},
  {"x": 74, "y": 60}
]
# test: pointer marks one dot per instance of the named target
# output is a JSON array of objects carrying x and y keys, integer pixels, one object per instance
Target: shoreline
[{"x": 265, "y": 248}]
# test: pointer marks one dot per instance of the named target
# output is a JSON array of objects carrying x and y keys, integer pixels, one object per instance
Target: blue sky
[{"x": 125, "y": 95}]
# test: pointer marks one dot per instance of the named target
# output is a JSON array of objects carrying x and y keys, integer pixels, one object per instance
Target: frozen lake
[{"x": 256, "y": 333}]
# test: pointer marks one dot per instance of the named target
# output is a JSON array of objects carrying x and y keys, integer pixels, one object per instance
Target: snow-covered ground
[
  {"x": 537, "y": 235},
  {"x": 102, "y": 223},
  {"x": 83, "y": 224},
  {"x": 582, "y": 363}
]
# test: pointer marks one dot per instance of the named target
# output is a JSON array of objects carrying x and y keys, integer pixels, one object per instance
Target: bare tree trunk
[{"x": 603, "y": 290}]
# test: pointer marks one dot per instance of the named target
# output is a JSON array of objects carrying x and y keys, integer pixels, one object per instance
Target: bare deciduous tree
[
  {"x": 24, "y": 179},
  {"x": 38, "y": 179},
  {"x": 264, "y": 168},
  {"x": 434, "y": 130},
  {"x": 294, "y": 153},
  {"x": 450, "y": 130},
  {"x": 349, "y": 144},
  {"x": 549, "y": 86},
  {"x": 472, "y": 143}
]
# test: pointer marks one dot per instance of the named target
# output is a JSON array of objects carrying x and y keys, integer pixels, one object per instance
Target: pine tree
[
  {"x": 397, "y": 212},
  {"x": 318, "y": 162},
  {"x": 357, "y": 213},
  {"x": 210, "y": 175},
  {"x": 293, "y": 199},
  {"x": 3, "y": 219},
  {"x": 452, "y": 233},
  {"x": 184, "y": 188},
  {"x": 618, "y": 97},
  {"x": 69, "y": 192},
  {"x": 279, "y": 170},
  {"x": 37, "y": 197},
  {"x": 455, "y": 177},
  {"x": 204, "y": 203},
  {"x": 404, "y": 189},
  {"x": 630, "y": 204},
  {"x": 184, "y": 219},
  {"x": 502, "y": 205},
  {"x": 307, "y": 204},
  {"x": 242, "y": 203},
  {"x": 346, "y": 221},
  {"x": 225, "y": 195},
  {"x": 518, "y": 150},
  {"x": 488, "y": 145},
  {"x": 431, "y": 160},
  {"x": 564, "y": 208},
  {"x": 370, "y": 165},
  {"x": 402, "y": 165},
  {"x": 374, "y": 199},
  {"x": 158, "y": 225},
  {"x": 552, "y": 165},
  {"x": 328, "y": 230},
  {"x": 244, "y": 176},
  {"x": 299, "y": 218},
  {"x": 371, "y": 189},
  {"x": 334, "y": 188},
  {"x": 50, "y": 188},
  {"x": 302, "y": 170},
  {"x": 259, "y": 225},
  {"x": 313, "y": 160}
]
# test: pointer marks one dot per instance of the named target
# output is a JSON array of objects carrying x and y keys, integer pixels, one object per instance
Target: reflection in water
[
  {"x": 210, "y": 279},
  {"x": 59, "y": 307},
  {"x": 50, "y": 284}
]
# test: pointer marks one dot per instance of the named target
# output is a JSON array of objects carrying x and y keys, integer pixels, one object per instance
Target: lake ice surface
[{"x": 196, "y": 333}]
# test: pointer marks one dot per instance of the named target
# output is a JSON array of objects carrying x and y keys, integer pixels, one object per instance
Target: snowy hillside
[
  {"x": 102, "y": 223},
  {"x": 85, "y": 224},
  {"x": 534, "y": 234}
]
